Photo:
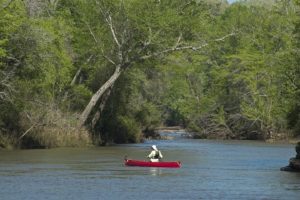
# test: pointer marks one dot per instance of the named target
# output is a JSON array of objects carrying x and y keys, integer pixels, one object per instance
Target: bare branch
[
  {"x": 79, "y": 71},
  {"x": 76, "y": 76},
  {"x": 146, "y": 43},
  {"x": 109, "y": 21},
  {"x": 173, "y": 50},
  {"x": 150, "y": 37},
  {"x": 178, "y": 40},
  {"x": 224, "y": 37},
  {"x": 91, "y": 32},
  {"x": 109, "y": 60},
  {"x": 27, "y": 131},
  {"x": 35, "y": 123},
  {"x": 176, "y": 48},
  {"x": 95, "y": 39}
]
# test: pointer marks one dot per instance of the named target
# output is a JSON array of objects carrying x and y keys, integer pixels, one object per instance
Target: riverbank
[
  {"x": 294, "y": 163},
  {"x": 67, "y": 135},
  {"x": 294, "y": 140},
  {"x": 275, "y": 138},
  {"x": 45, "y": 137}
]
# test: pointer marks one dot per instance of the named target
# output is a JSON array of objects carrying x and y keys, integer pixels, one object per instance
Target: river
[{"x": 210, "y": 170}]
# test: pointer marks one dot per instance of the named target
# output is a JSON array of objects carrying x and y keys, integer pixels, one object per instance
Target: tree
[
  {"x": 134, "y": 39},
  {"x": 293, "y": 76}
]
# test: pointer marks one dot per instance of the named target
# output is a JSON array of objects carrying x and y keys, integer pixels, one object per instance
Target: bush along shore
[
  {"x": 294, "y": 163},
  {"x": 60, "y": 130}
]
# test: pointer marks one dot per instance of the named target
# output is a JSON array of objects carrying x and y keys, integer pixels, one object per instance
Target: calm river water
[{"x": 210, "y": 170}]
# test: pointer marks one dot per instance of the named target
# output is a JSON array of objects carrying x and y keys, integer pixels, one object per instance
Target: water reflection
[{"x": 155, "y": 171}]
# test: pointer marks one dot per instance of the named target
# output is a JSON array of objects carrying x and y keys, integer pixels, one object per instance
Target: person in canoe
[{"x": 155, "y": 155}]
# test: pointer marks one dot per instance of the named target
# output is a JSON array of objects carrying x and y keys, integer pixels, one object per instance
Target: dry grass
[
  {"x": 50, "y": 137},
  {"x": 7, "y": 141},
  {"x": 49, "y": 127}
]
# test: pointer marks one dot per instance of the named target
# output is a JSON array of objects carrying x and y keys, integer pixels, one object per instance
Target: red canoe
[{"x": 141, "y": 163}]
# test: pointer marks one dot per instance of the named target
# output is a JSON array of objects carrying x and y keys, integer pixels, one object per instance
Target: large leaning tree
[{"x": 137, "y": 31}]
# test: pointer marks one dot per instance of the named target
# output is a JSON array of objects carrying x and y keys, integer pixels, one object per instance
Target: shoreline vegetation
[
  {"x": 58, "y": 133},
  {"x": 79, "y": 73},
  {"x": 294, "y": 162},
  {"x": 63, "y": 135},
  {"x": 278, "y": 138},
  {"x": 47, "y": 126}
]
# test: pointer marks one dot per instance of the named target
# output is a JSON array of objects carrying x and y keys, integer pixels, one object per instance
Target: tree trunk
[
  {"x": 102, "y": 103},
  {"x": 95, "y": 98}
]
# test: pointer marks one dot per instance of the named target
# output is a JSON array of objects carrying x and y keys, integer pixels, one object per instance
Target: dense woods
[{"x": 77, "y": 72}]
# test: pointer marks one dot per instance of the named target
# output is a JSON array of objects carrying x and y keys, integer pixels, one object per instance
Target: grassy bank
[{"x": 46, "y": 127}]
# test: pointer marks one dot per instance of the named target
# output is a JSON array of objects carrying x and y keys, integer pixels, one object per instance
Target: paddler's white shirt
[{"x": 152, "y": 154}]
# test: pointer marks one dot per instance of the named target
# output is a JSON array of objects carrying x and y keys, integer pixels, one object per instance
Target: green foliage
[
  {"x": 127, "y": 129},
  {"x": 129, "y": 111},
  {"x": 9, "y": 118},
  {"x": 249, "y": 79},
  {"x": 79, "y": 97},
  {"x": 41, "y": 48},
  {"x": 292, "y": 73},
  {"x": 59, "y": 53}
]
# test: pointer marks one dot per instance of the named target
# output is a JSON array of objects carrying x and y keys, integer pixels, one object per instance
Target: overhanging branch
[
  {"x": 108, "y": 19},
  {"x": 113, "y": 32},
  {"x": 166, "y": 51},
  {"x": 182, "y": 48}
]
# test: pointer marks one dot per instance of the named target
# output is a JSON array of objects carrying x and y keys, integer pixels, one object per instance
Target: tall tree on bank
[
  {"x": 135, "y": 39},
  {"x": 293, "y": 75}
]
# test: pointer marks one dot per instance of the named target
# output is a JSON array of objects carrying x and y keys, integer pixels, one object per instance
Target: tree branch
[
  {"x": 27, "y": 131},
  {"x": 110, "y": 24},
  {"x": 109, "y": 60},
  {"x": 176, "y": 48},
  {"x": 91, "y": 32},
  {"x": 95, "y": 39},
  {"x": 79, "y": 71},
  {"x": 224, "y": 37},
  {"x": 194, "y": 48},
  {"x": 108, "y": 19},
  {"x": 178, "y": 40}
]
